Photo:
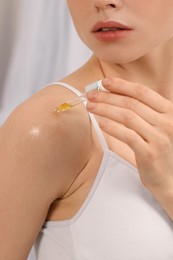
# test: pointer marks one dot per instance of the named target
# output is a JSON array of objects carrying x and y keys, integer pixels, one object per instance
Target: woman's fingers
[
  {"x": 124, "y": 117},
  {"x": 140, "y": 110},
  {"x": 126, "y": 102},
  {"x": 139, "y": 92},
  {"x": 124, "y": 134}
]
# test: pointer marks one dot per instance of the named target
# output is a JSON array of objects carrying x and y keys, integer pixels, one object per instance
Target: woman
[{"x": 80, "y": 191}]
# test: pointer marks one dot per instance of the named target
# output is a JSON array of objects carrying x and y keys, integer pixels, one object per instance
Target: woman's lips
[{"x": 110, "y": 31}]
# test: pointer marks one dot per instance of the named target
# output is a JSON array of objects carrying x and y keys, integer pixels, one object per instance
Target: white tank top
[{"x": 119, "y": 220}]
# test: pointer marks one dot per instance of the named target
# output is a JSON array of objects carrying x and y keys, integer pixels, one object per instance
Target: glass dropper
[{"x": 80, "y": 99}]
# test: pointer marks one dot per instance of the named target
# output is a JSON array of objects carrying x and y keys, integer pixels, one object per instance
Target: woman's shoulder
[
  {"x": 46, "y": 139},
  {"x": 40, "y": 157}
]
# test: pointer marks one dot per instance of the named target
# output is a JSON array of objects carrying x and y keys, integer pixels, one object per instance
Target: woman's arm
[{"x": 40, "y": 156}]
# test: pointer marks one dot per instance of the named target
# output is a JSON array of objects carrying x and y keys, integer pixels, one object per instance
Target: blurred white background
[{"x": 38, "y": 45}]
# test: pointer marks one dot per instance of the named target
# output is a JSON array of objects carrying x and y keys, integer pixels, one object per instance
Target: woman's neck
[{"x": 153, "y": 70}]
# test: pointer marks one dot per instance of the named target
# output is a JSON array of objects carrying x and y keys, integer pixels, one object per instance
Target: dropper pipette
[{"x": 82, "y": 98}]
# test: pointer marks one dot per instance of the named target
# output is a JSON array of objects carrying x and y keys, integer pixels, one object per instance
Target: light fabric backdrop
[{"x": 38, "y": 45}]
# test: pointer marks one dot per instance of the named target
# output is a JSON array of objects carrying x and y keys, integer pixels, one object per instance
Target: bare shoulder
[
  {"x": 38, "y": 134},
  {"x": 40, "y": 156}
]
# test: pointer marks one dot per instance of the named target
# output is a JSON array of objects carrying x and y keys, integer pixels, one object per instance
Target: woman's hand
[{"x": 143, "y": 119}]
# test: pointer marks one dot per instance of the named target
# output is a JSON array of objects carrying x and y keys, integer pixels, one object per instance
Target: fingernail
[
  {"x": 107, "y": 81},
  {"x": 92, "y": 95},
  {"x": 90, "y": 105}
]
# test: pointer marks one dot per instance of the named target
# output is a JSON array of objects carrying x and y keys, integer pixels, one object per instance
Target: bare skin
[
  {"x": 38, "y": 182},
  {"x": 27, "y": 177},
  {"x": 33, "y": 171}
]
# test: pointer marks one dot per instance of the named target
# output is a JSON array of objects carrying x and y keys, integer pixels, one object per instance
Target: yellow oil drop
[{"x": 63, "y": 107}]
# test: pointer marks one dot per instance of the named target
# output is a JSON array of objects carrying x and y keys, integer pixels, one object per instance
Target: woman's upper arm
[
  {"x": 38, "y": 161},
  {"x": 23, "y": 205}
]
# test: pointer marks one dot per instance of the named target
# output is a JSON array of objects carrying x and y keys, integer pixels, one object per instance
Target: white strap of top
[{"x": 93, "y": 120}]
